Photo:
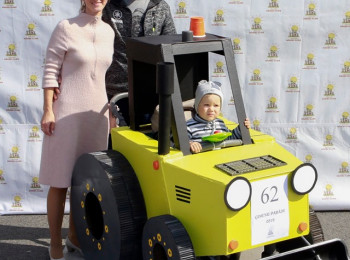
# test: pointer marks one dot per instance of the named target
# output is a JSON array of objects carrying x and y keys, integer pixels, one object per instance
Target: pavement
[{"x": 25, "y": 237}]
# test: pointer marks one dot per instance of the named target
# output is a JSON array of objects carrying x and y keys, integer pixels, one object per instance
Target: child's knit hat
[{"x": 207, "y": 87}]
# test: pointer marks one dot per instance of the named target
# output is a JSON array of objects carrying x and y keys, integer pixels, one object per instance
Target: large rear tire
[{"x": 107, "y": 207}]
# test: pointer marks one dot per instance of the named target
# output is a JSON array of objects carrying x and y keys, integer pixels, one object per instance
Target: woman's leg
[
  {"x": 56, "y": 199},
  {"x": 72, "y": 235}
]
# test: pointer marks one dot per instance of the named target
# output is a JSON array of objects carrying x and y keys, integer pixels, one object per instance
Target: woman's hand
[
  {"x": 195, "y": 147},
  {"x": 48, "y": 122}
]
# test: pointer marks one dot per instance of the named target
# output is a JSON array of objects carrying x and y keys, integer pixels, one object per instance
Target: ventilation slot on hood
[{"x": 183, "y": 194}]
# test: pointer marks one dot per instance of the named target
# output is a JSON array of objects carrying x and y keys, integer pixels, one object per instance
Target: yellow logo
[
  {"x": 256, "y": 25},
  {"x": 310, "y": 11},
  {"x": 46, "y": 10},
  {"x": 328, "y": 140},
  {"x": 219, "y": 68},
  {"x": 346, "y": 19},
  {"x": 181, "y": 8},
  {"x": 328, "y": 190},
  {"x": 219, "y": 16},
  {"x": 17, "y": 201},
  {"x": 309, "y": 61},
  {"x": 34, "y": 134},
  {"x": 292, "y": 133},
  {"x": 256, "y": 75},
  {"x": 293, "y": 83},
  {"x": 329, "y": 90},
  {"x": 35, "y": 183},
  {"x": 256, "y": 124},
  {"x": 11, "y": 52},
  {"x": 9, "y": 4},
  {"x": 12, "y": 105},
  {"x": 294, "y": 31},
  {"x": 346, "y": 67},
  {"x": 273, "y": 4},
  {"x": 272, "y": 104},
  {"x": 14, "y": 154},
  {"x": 330, "y": 40},
  {"x": 33, "y": 82},
  {"x": 2, "y": 179},
  {"x": 344, "y": 167},
  {"x": 1, "y": 128},
  {"x": 308, "y": 158},
  {"x": 236, "y": 44},
  {"x": 30, "y": 32},
  {"x": 345, "y": 118},
  {"x": 273, "y": 54},
  {"x": 308, "y": 110}
]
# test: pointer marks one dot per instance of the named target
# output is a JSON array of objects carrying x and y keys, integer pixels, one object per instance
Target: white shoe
[
  {"x": 71, "y": 247},
  {"x": 62, "y": 258}
]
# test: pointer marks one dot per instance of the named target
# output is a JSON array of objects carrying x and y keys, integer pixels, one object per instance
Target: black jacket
[{"x": 157, "y": 20}]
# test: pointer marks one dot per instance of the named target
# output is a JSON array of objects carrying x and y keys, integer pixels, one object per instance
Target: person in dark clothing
[{"x": 132, "y": 18}]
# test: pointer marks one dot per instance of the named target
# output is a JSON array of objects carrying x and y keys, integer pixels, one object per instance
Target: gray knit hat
[{"x": 207, "y": 87}]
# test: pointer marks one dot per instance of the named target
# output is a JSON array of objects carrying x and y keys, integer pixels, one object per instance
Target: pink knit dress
[{"x": 80, "y": 50}]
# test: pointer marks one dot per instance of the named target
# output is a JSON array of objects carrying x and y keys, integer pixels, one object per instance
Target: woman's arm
[{"x": 48, "y": 118}]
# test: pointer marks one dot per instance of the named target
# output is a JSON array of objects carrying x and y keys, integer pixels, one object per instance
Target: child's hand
[
  {"x": 195, "y": 147},
  {"x": 247, "y": 123}
]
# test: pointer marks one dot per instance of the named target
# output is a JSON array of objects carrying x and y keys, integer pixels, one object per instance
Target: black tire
[
  {"x": 165, "y": 238},
  {"x": 315, "y": 235},
  {"x": 107, "y": 207}
]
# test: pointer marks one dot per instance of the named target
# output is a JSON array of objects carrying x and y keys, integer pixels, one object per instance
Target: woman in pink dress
[{"x": 79, "y": 52}]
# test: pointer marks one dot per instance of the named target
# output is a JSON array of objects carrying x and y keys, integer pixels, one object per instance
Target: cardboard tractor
[{"x": 150, "y": 198}]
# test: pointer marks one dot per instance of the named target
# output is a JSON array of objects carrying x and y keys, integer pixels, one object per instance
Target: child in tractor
[{"x": 208, "y": 103}]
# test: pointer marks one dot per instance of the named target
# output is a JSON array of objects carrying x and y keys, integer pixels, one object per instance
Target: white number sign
[{"x": 269, "y": 209}]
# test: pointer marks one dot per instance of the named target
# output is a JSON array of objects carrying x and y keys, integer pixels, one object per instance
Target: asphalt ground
[{"x": 27, "y": 236}]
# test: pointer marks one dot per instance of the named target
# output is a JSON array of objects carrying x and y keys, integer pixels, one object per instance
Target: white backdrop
[{"x": 293, "y": 60}]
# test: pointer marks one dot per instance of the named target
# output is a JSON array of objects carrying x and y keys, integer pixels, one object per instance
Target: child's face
[{"x": 209, "y": 107}]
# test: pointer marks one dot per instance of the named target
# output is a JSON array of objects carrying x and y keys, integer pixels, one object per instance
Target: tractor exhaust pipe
[{"x": 165, "y": 88}]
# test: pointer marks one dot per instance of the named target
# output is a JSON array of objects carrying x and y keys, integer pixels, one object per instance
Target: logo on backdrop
[
  {"x": 35, "y": 186},
  {"x": 219, "y": 19},
  {"x": 272, "y": 105},
  {"x": 346, "y": 20},
  {"x": 11, "y": 53},
  {"x": 256, "y": 124},
  {"x": 273, "y": 6},
  {"x": 328, "y": 192},
  {"x": 30, "y": 32},
  {"x": 46, "y": 9},
  {"x": 344, "y": 120},
  {"x": 293, "y": 85},
  {"x": 33, "y": 83},
  {"x": 311, "y": 13},
  {"x": 236, "y": 46},
  {"x": 330, "y": 42},
  {"x": 345, "y": 71},
  {"x": 2, "y": 178},
  {"x": 272, "y": 55},
  {"x": 181, "y": 9},
  {"x": 12, "y": 105},
  {"x": 292, "y": 136},
  {"x": 34, "y": 134},
  {"x": 219, "y": 70},
  {"x": 255, "y": 78},
  {"x": 2, "y": 131},
  {"x": 14, "y": 155},
  {"x": 294, "y": 34},
  {"x": 329, "y": 93},
  {"x": 344, "y": 169},
  {"x": 9, "y": 4},
  {"x": 308, "y": 112},
  {"x": 256, "y": 27},
  {"x": 310, "y": 61},
  {"x": 328, "y": 143},
  {"x": 308, "y": 158},
  {"x": 17, "y": 203}
]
